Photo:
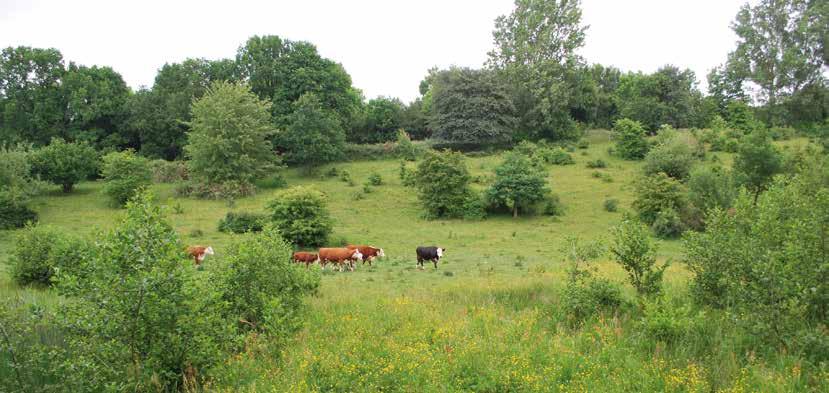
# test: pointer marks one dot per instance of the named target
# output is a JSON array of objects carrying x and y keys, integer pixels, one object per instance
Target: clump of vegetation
[
  {"x": 596, "y": 164},
  {"x": 404, "y": 148},
  {"x": 710, "y": 188},
  {"x": 518, "y": 184},
  {"x": 14, "y": 209},
  {"x": 273, "y": 181},
  {"x": 300, "y": 215},
  {"x": 584, "y": 294},
  {"x": 40, "y": 250},
  {"x": 16, "y": 187},
  {"x": 228, "y": 146},
  {"x": 124, "y": 174},
  {"x": 673, "y": 157},
  {"x": 442, "y": 181},
  {"x": 375, "y": 179},
  {"x": 611, "y": 205},
  {"x": 314, "y": 135},
  {"x": 553, "y": 206},
  {"x": 65, "y": 164},
  {"x": 757, "y": 161},
  {"x": 556, "y": 156},
  {"x": 631, "y": 247},
  {"x": 345, "y": 177},
  {"x": 169, "y": 171},
  {"x": 630, "y": 139},
  {"x": 242, "y": 222},
  {"x": 657, "y": 194}
]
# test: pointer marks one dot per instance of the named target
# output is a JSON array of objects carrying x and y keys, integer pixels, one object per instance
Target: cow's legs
[{"x": 435, "y": 261}]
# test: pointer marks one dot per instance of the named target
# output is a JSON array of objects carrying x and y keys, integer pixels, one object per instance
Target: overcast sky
[{"x": 386, "y": 45}]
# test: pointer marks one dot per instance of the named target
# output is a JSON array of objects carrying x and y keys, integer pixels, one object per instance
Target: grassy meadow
[{"x": 487, "y": 320}]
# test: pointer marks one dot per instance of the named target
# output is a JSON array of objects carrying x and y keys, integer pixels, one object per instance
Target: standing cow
[
  {"x": 431, "y": 253},
  {"x": 369, "y": 252},
  {"x": 199, "y": 253},
  {"x": 340, "y": 256},
  {"x": 305, "y": 257}
]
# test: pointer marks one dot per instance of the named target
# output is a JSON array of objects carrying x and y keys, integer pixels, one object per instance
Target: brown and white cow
[
  {"x": 369, "y": 252},
  {"x": 340, "y": 256},
  {"x": 199, "y": 253},
  {"x": 305, "y": 257}
]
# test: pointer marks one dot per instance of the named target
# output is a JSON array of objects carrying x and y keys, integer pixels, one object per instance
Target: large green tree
[
  {"x": 471, "y": 107},
  {"x": 96, "y": 99},
  {"x": 518, "y": 183},
  {"x": 668, "y": 96},
  {"x": 31, "y": 97},
  {"x": 228, "y": 141},
  {"x": 781, "y": 47},
  {"x": 382, "y": 118},
  {"x": 282, "y": 70},
  {"x": 314, "y": 135}
]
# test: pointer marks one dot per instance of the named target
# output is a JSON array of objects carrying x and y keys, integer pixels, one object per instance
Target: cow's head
[
  {"x": 440, "y": 252},
  {"x": 208, "y": 250},
  {"x": 380, "y": 252},
  {"x": 357, "y": 254}
]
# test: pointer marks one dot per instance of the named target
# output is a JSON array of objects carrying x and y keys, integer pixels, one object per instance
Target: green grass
[{"x": 486, "y": 320}]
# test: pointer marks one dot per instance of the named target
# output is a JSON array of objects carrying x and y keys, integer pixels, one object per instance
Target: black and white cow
[{"x": 429, "y": 254}]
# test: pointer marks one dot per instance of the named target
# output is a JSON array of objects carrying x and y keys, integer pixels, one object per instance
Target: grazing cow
[
  {"x": 369, "y": 252},
  {"x": 199, "y": 253},
  {"x": 305, "y": 257},
  {"x": 339, "y": 256},
  {"x": 432, "y": 254}
]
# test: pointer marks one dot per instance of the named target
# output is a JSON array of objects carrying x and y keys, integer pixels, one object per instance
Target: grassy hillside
[{"x": 486, "y": 320}]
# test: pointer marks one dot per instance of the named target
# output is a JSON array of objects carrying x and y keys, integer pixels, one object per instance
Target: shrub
[
  {"x": 667, "y": 224},
  {"x": 710, "y": 188},
  {"x": 757, "y": 161},
  {"x": 169, "y": 171},
  {"x": 665, "y": 322},
  {"x": 555, "y": 156},
  {"x": 16, "y": 172},
  {"x": 553, "y": 206},
  {"x": 630, "y": 139},
  {"x": 14, "y": 213},
  {"x": 583, "y": 294},
  {"x": 124, "y": 173},
  {"x": 40, "y": 250},
  {"x": 597, "y": 163},
  {"x": 241, "y": 222},
  {"x": 404, "y": 148},
  {"x": 731, "y": 145},
  {"x": 782, "y": 133},
  {"x": 270, "y": 182},
  {"x": 518, "y": 184},
  {"x": 611, "y": 204},
  {"x": 442, "y": 181},
  {"x": 654, "y": 194},
  {"x": 375, "y": 179},
  {"x": 631, "y": 247},
  {"x": 65, "y": 164},
  {"x": 673, "y": 157},
  {"x": 583, "y": 144},
  {"x": 300, "y": 215},
  {"x": 474, "y": 207},
  {"x": 228, "y": 142},
  {"x": 229, "y": 190},
  {"x": 345, "y": 176},
  {"x": 262, "y": 289}
]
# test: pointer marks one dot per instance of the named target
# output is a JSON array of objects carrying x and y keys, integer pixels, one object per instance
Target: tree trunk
[
  {"x": 515, "y": 211},
  {"x": 67, "y": 188}
]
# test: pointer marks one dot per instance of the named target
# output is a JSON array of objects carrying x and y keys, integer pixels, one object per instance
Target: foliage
[
  {"x": 300, "y": 215},
  {"x": 668, "y": 96},
  {"x": 314, "y": 135},
  {"x": 632, "y": 248},
  {"x": 630, "y": 139},
  {"x": 471, "y": 107},
  {"x": 711, "y": 187},
  {"x": 668, "y": 224},
  {"x": 553, "y": 206},
  {"x": 228, "y": 138},
  {"x": 383, "y": 118},
  {"x": 611, "y": 205},
  {"x": 169, "y": 171},
  {"x": 763, "y": 260},
  {"x": 65, "y": 164},
  {"x": 261, "y": 288},
  {"x": 14, "y": 211},
  {"x": 757, "y": 161},
  {"x": 556, "y": 156},
  {"x": 242, "y": 222},
  {"x": 404, "y": 148},
  {"x": 673, "y": 157},
  {"x": 16, "y": 171},
  {"x": 124, "y": 173},
  {"x": 375, "y": 179},
  {"x": 96, "y": 99},
  {"x": 442, "y": 181},
  {"x": 597, "y": 163},
  {"x": 518, "y": 184},
  {"x": 40, "y": 251},
  {"x": 741, "y": 118},
  {"x": 159, "y": 326},
  {"x": 584, "y": 294},
  {"x": 657, "y": 193}
]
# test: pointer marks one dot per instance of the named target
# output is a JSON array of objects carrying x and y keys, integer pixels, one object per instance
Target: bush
[
  {"x": 474, "y": 207},
  {"x": 553, "y": 206},
  {"x": 668, "y": 323},
  {"x": 405, "y": 148},
  {"x": 583, "y": 144},
  {"x": 229, "y": 190},
  {"x": 583, "y": 295},
  {"x": 518, "y": 184},
  {"x": 654, "y": 194},
  {"x": 611, "y": 204},
  {"x": 375, "y": 179},
  {"x": 65, "y": 164},
  {"x": 300, "y": 215},
  {"x": 597, "y": 163},
  {"x": 442, "y": 181},
  {"x": 710, "y": 188},
  {"x": 345, "y": 176},
  {"x": 668, "y": 224},
  {"x": 270, "y": 182},
  {"x": 169, "y": 171},
  {"x": 673, "y": 157},
  {"x": 631, "y": 247},
  {"x": 630, "y": 139},
  {"x": 40, "y": 250},
  {"x": 14, "y": 213},
  {"x": 262, "y": 289},
  {"x": 16, "y": 172},
  {"x": 124, "y": 173},
  {"x": 242, "y": 222},
  {"x": 757, "y": 161},
  {"x": 782, "y": 133},
  {"x": 555, "y": 156},
  {"x": 731, "y": 145}
]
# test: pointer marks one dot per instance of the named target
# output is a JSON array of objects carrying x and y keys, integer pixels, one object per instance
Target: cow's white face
[
  {"x": 381, "y": 253},
  {"x": 208, "y": 251},
  {"x": 440, "y": 252},
  {"x": 357, "y": 255}
]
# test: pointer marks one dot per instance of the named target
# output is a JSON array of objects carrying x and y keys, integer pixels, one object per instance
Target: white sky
[{"x": 386, "y": 45}]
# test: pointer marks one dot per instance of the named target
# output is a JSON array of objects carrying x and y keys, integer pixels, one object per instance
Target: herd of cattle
[{"x": 338, "y": 257}]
